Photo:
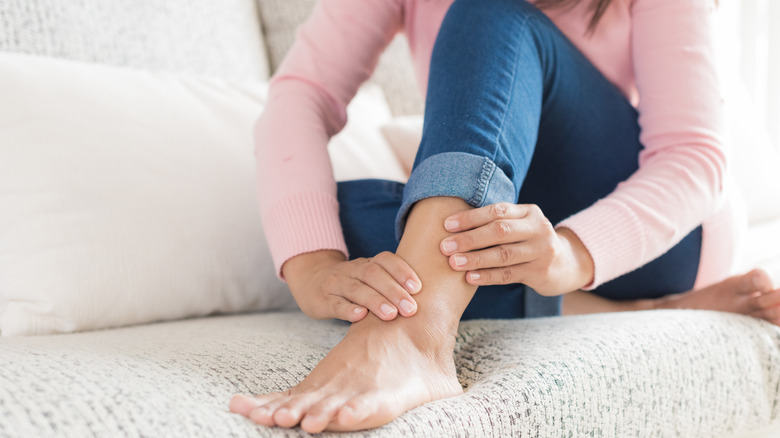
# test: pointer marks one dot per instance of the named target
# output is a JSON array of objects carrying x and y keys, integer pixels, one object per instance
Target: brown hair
[{"x": 597, "y": 7}]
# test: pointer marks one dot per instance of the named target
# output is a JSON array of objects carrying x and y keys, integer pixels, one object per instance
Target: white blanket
[{"x": 664, "y": 373}]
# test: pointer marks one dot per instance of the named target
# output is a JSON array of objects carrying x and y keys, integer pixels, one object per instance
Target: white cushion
[
  {"x": 755, "y": 162},
  {"x": 761, "y": 248},
  {"x": 126, "y": 197},
  {"x": 360, "y": 151},
  {"x": 404, "y": 134},
  {"x": 394, "y": 72},
  {"x": 218, "y": 39},
  {"x": 129, "y": 197},
  {"x": 682, "y": 373}
]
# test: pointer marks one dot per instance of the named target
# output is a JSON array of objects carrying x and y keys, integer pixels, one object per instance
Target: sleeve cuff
[
  {"x": 614, "y": 237},
  {"x": 304, "y": 222}
]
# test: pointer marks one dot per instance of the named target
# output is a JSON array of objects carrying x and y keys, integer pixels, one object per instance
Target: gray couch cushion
[
  {"x": 220, "y": 39},
  {"x": 395, "y": 73},
  {"x": 649, "y": 374}
]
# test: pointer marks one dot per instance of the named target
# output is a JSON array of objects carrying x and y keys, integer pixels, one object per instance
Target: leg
[
  {"x": 382, "y": 369},
  {"x": 750, "y": 294}
]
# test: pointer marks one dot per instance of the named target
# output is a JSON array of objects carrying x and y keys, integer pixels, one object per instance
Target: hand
[
  {"x": 509, "y": 243},
  {"x": 325, "y": 285}
]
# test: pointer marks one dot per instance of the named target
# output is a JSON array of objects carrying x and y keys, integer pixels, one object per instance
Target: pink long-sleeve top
[{"x": 658, "y": 52}]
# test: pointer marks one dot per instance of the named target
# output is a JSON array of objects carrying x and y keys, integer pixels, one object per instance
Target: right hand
[{"x": 325, "y": 285}]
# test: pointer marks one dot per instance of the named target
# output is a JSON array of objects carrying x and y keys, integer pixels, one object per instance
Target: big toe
[
  {"x": 242, "y": 404},
  {"x": 320, "y": 415},
  {"x": 758, "y": 280},
  {"x": 364, "y": 411}
]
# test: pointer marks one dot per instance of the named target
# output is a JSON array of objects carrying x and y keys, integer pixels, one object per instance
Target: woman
[{"x": 601, "y": 117}]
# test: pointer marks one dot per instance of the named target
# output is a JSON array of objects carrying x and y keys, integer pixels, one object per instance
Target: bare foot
[
  {"x": 747, "y": 294},
  {"x": 376, "y": 373}
]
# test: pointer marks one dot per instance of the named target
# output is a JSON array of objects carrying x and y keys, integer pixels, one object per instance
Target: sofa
[{"x": 137, "y": 295}]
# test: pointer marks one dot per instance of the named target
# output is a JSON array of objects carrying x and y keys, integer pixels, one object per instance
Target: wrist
[
  {"x": 300, "y": 269},
  {"x": 582, "y": 266}
]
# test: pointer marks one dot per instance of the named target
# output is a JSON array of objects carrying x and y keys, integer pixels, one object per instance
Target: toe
[
  {"x": 365, "y": 411},
  {"x": 320, "y": 414},
  {"x": 244, "y": 404},
  {"x": 771, "y": 314},
  {"x": 290, "y": 413},
  {"x": 264, "y": 413},
  {"x": 758, "y": 280},
  {"x": 768, "y": 300},
  {"x": 353, "y": 412}
]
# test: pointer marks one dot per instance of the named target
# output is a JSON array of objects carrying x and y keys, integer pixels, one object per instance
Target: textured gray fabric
[
  {"x": 650, "y": 374},
  {"x": 220, "y": 39},
  {"x": 395, "y": 73}
]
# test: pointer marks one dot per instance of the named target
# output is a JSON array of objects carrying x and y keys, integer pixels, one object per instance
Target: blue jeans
[{"x": 515, "y": 113}]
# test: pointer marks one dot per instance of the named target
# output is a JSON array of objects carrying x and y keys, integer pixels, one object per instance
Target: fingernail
[
  {"x": 474, "y": 276},
  {"x": 451, "y": 224},
  {"x": 412, "y": 286},
  {"x": 357, "y": 310},
  {"x": 450, "y": 246},
  {"x": 407, "y": 306},
  {"x": 387, "y": 309},
  {"x": 459, "y": 260}
]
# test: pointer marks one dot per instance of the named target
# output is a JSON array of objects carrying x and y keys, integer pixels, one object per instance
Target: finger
[
  {"x": 376, "y": 277},
  {"x": 364, "y": 295},
  {"x": 346, "y": 310},
  {"x": 400, "y": 271},
  {"x": 470, "y": 219},
  {"x": 505, "y": 275},
  {"x": 494, "y": 233},
  {"x": 495, "y": 257}
]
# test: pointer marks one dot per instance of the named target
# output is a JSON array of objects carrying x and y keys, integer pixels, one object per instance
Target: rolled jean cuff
[{"x": 475, "y": 179}]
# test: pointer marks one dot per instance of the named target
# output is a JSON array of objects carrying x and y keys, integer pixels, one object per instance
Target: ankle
[{"x": 433, "y": 336}]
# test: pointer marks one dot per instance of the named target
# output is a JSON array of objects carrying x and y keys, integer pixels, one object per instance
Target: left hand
[{"x": 509, "y": 243}]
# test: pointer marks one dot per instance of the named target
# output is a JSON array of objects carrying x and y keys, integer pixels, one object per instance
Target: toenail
[
  {"x": 387, "y": 309},
  {"x": 407, "y": 306}
]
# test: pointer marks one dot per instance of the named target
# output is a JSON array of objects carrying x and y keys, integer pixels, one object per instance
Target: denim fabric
[
  {"x": 516, "y": 113},
  {"x": 476, "y": 179}
]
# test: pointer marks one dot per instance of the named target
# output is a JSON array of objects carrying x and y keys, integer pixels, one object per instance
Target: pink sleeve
[
  {"x": 336, "y": 50},
  {"x": 682, "y": 167}
]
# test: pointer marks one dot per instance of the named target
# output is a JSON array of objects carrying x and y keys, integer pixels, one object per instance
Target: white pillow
[
  {"x": 126, "y": 197},
  {"x": 755, "y": 162},
  {"x": 129, "y": 197},
  {"x": 360, "y": 151},
  {"x": 404, "y": 135}
]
